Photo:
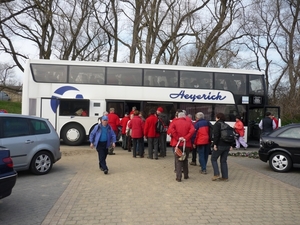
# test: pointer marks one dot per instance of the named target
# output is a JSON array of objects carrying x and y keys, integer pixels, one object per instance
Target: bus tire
[{"x": 73, "y": 134}]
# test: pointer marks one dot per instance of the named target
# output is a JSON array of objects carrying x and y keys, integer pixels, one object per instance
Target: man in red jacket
[
  {"x": 114, "y": 122},
  {"x": 151, "y": 134},
  {"x": 123, "y": 123},
  {"x": 181, "y": 131}
]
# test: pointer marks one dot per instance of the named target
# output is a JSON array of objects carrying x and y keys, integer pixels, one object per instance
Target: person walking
[
  {"x": 128, "y": 133},
  {"x": 182, "y": 131},
  {"x": 163, "y": 135},
  {"x": 114, "y": 122},
  {"x": 101, "y": 137},
  {"x": 240, "y": 131},
  {"x": 123, "y": 124},
  {"x": 202, "y": 140},
  {"x": 136, "y": 125},
  {"x": 220, "y": 149},
  {"x": 151, "y": 135},
  {"x": 267, "y": 124}
]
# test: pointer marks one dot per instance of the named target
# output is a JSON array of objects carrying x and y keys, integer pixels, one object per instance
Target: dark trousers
[
  {"x": 138, "y": 146},
  {"x": 222, "y": 152},
  {"x": 194, "y": 154},
  {"x": 111, "y": 148},
  {"x": 163, "y": 144},
  {"x": 129, "y": 143},
  {"x": 102, "y": 154},
  {"x": 124, "y": 141},
  {"x": 152, "y": 148},
  {"x": 182, "y": 165}
]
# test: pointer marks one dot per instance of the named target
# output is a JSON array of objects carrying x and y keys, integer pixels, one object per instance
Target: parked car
[
  {"x": 33, "y": 142},
  {"x": 281, "y": 148},
  {"x": 4, "y": 96},
  {"x": 8, "y": 175}
]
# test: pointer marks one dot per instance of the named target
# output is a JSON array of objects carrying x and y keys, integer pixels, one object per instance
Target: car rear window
[{"x": 39, "y": 127}]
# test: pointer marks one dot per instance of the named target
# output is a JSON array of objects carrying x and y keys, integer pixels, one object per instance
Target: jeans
[
  {"x": 138, "y": 146},
  {"x": 221, "y": 152},
  {"x": 203, "y": 152},
  {"x": 102, "y": 154}
]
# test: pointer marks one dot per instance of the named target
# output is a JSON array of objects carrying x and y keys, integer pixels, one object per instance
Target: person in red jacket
[
  {"x": 114, "y": 122},
  {"x": 182, "y": 130},
  {"x": 201, "y": 140},
  {"x": 123, "y": 124},
  {"x": 151, "y": 135},
  {"x": 275, "y": 120},
  {"x": 239, "y": 129},
  {"x": 136, "y": 125}
]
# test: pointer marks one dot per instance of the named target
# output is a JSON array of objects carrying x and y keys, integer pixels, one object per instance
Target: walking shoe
[
  {"x": 203, "y": 172},
  {"x": 193, "y": 163},
  {"x": 111, "y": 153},
  {"x": 101, "y": 169},
  {"x": 186, "y": 177},
  {"x": 214, "y": 178},
  {"x": 105, "y": 171},
  {"x": 245, "y": 148},
  {"x": 223, "y": 179},
  {"x": 179, "y": 180}
]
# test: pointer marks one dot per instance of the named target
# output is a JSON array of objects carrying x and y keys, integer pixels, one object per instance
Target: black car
[
  {"x": 8, "y": 175},
  {"x": 281, "y": 148}
]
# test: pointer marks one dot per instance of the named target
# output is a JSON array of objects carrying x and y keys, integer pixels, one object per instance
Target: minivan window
[
  {"x": 14, "y": 127},
  {"x": 39, "y": 127}
]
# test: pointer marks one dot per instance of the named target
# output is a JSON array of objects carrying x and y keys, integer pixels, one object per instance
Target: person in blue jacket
[{"x": 101, "y": 137}]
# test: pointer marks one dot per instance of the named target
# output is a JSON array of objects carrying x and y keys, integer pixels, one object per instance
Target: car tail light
[{"x": 8, "y": 161}]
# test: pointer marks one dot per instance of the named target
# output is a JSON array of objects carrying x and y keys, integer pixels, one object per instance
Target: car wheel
[
  {"x": 73, "y": 134},
  {"x": 41, "y": 163},
  {"x": 280, "y": 162}
]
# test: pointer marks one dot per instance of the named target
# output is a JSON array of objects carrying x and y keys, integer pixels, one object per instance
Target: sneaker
[
  {"x": 111, "y": 153},
  {"x": 193, "y": 164},
  {"x": 245, "y": 148},
  {"x": 105, "y": 171},
  {"x": 101, "y": 169},
  {"x": 223, "y": 179},
  {"x": 203, "y": 172},
  {"x": 214, "y": 178}
]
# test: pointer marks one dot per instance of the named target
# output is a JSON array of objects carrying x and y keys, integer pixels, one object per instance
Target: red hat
[{"x": 160, "y": 109}]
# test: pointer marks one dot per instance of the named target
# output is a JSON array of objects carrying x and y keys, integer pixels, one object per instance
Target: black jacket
[{"x": 217, "y": 135}]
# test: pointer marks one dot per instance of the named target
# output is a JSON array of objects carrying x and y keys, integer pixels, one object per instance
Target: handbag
[{"x": 180, "y": 154}]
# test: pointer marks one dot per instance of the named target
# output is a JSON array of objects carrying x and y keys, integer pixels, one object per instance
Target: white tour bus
[{"x": 62, "y": 90}]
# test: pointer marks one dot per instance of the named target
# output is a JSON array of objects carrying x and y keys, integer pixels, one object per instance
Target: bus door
[
  {"x": 49, "y": 109},
  {"x": 254, "y": 118}
]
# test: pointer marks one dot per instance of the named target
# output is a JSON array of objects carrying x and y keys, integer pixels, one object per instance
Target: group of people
[{"x": 199, "y": 137}]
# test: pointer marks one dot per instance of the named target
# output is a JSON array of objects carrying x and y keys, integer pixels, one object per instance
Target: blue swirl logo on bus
[
  {"x": 60, "y": 92},
  {"x": 193, "y": 97}
]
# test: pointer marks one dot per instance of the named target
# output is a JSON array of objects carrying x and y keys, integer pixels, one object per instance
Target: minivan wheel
[
  {"x": 280, "y": 162},
  {"x": 73, "y": 134},
  {"x": 41, "y": 163}
]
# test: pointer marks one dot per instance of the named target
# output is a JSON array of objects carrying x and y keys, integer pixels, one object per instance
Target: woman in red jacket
[
  {"x": 151, "y": 134},
  {"x": 136, "y": 125},
  {"x": 182, "y": 130}
]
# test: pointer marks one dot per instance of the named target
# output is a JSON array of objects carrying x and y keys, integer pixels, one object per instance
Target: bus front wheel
[{"x": 73, "y": 134}]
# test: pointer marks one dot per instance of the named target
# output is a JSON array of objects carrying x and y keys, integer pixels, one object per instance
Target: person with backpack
[
  {"x": 101, "y": 138},
  {"x": 201, "y": 140},
  {"x": 223, "y": 142},
  {"x": 163, "y": 134}
]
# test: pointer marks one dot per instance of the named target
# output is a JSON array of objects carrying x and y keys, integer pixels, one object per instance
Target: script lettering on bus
[{"x": 193, "y": 97}]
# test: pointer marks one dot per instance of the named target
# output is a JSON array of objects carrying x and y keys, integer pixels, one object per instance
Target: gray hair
[
  {"x": 181, "y": 115},
  {"x": 184, "y": 111},
  {"x": 199, "y": 115}
]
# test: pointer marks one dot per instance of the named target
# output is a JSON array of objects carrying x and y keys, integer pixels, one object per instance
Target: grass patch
[{"x": 11, "y": 107}]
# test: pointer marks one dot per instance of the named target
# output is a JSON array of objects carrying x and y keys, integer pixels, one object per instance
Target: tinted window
[
  {"x": 161, "y": 78},
  {"x": 291, "y": 133},
  {"x": 49, "y": 73},
  {"x": 39, "y": 127},
  {"x": 256, "y": 85},
  {"x": 86, "y": 74},
  {"x": 192, "y": 79},
  {"x": 236, "y": 83},
  {"x": 124, "y": 76},
  {"x": 14, "y": 127}
]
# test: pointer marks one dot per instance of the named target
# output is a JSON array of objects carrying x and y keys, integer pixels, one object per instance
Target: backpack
[
  {"x": 160, "y": 127},
  {"x": 227, "y": 133}
]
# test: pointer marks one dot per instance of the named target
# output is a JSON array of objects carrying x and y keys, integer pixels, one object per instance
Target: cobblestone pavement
[{"x": 144, "y": 191}]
